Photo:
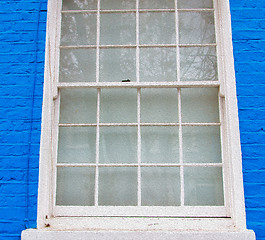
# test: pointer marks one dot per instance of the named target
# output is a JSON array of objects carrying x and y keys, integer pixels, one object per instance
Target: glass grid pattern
[{"x": 178, "y": 45}]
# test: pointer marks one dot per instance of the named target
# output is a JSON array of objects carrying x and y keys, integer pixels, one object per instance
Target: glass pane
[
  {"x": 117, "y": 4},
  {"x": 77, "y": 145},
  {"x": 203, "y": 186},
  {"x": 117, "y": 64},
  {"x": 196, "y": 27},
  {"x": 159, "y": 145},
  {"x": 199, "y": 105},
  {"x": 75, "y": 186},
  {"x": 157, "y": 28},
  {"x": 77, "y": 65},
  {"x": 118, "y": 145},
  {"x": 201, "y": 144},
  {"x": 160, "y": 186},
  {"x": 159, "y": 105},
  {"x": 158, "y": 65},
  {"x": 117, "y": 28},
  {"x": 117, "y": 186},
  {"x": 187, "y": 4},
  {"x": 118, "y": 105},
  {"x": 198, "y": 64},
  {"x": 78, "y": 105},
  {"x": 79, "y": 29},
  {"x": 79, "y": 4},
  {"x": 154, "y": 4}
]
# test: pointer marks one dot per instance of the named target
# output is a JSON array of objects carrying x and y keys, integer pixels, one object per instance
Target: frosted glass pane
[
  {"x": 77, "y": 65},
  {"x": 159, "y": 105},
  {"x": 77, "y": 145},
  {"x": 118, "y": 145},
  {"x": 158, "y": 65},
  {"x": 201, "y": 144},
  {"x": 117, "y": 64},
  {"x": 159, "y": 145},
  {"x": 187, "y": 4},
  {"x": 75, "y": 186},
  {"x": 79, "y": 4},
  {"x": 157, "y": 28},
  {"x": 78, "y": 29},
  {"x": 198, "y": 64},
  {"x": 118, "y": 105},
  {"x": 160, "y": 186},
  {"x": 117, "y": 28},
  {"x": 196, "y": 27},
  {"x": 117, "y": 186},
  {"x": 117, "y": 4},
  {"x": 78, "y": 105},
  {"x": 154, "y": 4},
  {"x": 199, "y": 105},
  {"x": 203, "y": 186}
]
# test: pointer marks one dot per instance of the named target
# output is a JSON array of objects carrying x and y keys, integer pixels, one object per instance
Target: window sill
[{"x": 32, "y": 234}]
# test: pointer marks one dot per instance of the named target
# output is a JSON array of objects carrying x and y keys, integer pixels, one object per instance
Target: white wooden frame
[{"x": 234, "y": 212}]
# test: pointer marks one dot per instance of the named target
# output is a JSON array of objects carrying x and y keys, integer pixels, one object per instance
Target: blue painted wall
[
  {"x": 22, "y": 40},
  {"x": 248, "y": 25},
  {"x": 22, "y": 44}
]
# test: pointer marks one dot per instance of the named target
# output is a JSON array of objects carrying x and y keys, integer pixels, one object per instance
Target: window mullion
[
  {"x": 179, "y": 107},
  {"x": 98, "y": 107},
  {"x": 97, "y": 149},
  {"x": 177, "y": 40},
  {"x": 139, "y": 192},
  {"x": 139, "y": 182},
  {"x": 180, "y": 151},
  {"x": 98, "y": 39}
]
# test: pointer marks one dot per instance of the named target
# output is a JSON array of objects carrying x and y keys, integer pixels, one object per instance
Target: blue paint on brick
[
  {"x": 22, "y": 41},
  {"x": 249, "y": 40}
]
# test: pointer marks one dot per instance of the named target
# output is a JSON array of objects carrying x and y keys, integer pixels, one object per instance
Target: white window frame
[{"x": 232, "y": 216}]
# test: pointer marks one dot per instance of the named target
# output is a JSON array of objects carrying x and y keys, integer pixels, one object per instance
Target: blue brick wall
[
  {"x": 248, "y": 26},
  {"x": 22, "y": 39}
]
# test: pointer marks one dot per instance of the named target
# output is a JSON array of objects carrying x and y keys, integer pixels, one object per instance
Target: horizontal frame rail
[
  {"x": 146, "y": 211},
  {"x": 140, "y": 10},
  {"x": 179, "y": 84},
  {"x": 140, "y": 46},
  {"x": 134, "y": 124},
  {"x": 141, "y": 165}
]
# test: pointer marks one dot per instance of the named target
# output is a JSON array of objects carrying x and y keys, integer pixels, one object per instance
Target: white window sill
[{"x": 32, "y": 234}]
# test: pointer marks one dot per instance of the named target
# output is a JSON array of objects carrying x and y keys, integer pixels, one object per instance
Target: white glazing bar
[
  {"x": 137, "y": 43},
  {"x": 179, "y": 84},
  {"x": 139, "y": 185},
  {"x": 141, "y": 164},
  {"x": 79, "y": 11},
  {"x": 196, "y": 10},
  {"x": 198, "y": 45},
  {"x": 98, "y": 39},
  {"x": 122, "y": 10},
  {"x": 179, "y": 107},
  {"x": 180, "y": 151},
  {"x": 97, "y": 149},
  {"x": 177, "y": 40},
  {"x": 134, "y": 124},
  {"x": 140, "y": 46},
  {"x": 98, "y": 107},
  {"x": 157, "y": 10}
]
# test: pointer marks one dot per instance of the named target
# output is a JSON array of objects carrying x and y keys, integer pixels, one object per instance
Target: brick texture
[
  {"x": 248, "y": 26},
  {"x": 22, "y": 44},
  {"x": 22, "y": 40}
]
